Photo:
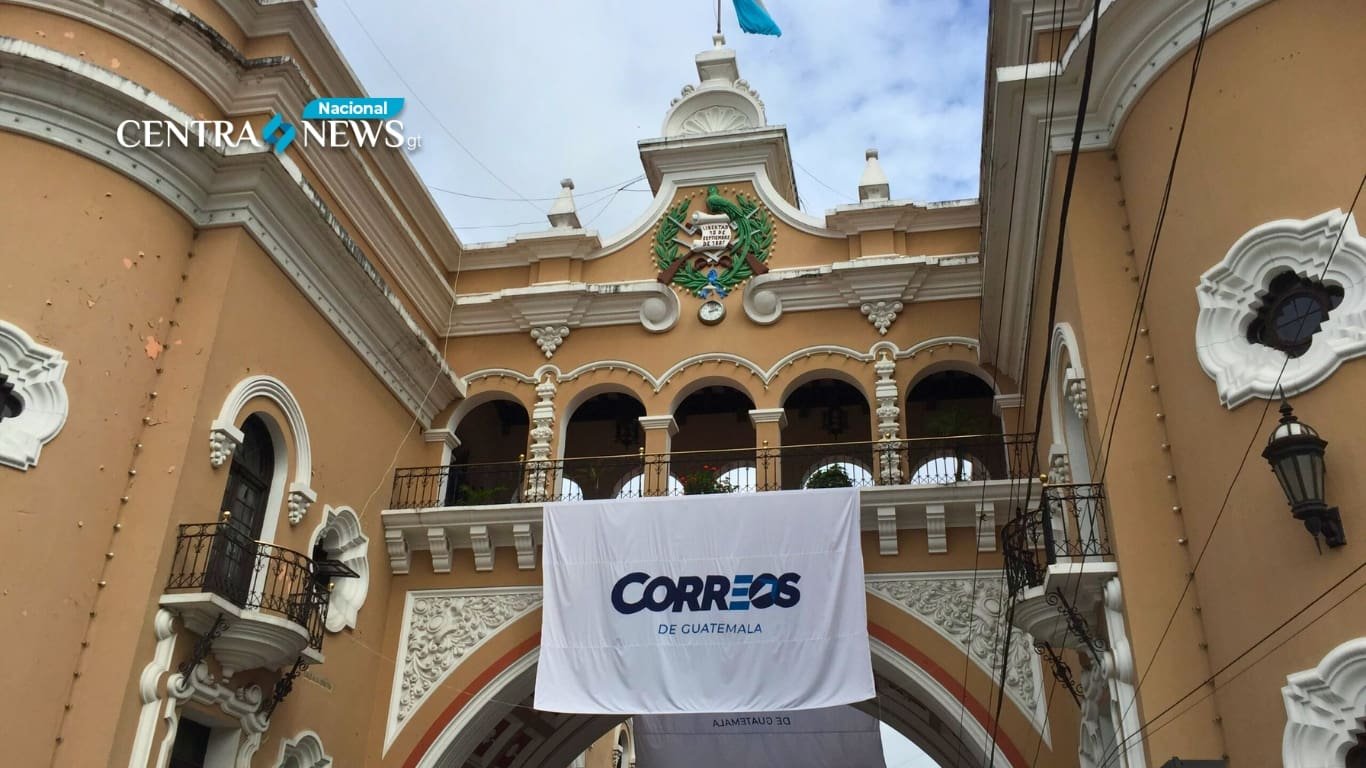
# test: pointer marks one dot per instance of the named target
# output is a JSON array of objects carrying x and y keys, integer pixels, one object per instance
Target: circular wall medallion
[{"x": 711, "y": 312}]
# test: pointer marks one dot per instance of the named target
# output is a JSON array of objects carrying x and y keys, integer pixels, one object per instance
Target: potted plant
[
  {"x": 705, "y": 480},
  {"x": 832, "y": 476}
]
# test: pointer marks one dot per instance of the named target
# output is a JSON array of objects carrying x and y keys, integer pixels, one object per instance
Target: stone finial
[
  {"x": 873, "y": 185},
  {"x": 563, "y": 214}
]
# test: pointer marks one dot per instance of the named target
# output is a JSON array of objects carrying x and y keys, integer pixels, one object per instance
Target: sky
[{"x": 510, "y": 97}]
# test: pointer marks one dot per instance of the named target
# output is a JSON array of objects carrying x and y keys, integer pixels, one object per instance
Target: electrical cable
[
  {"x": 578, "y": 196},
  {"x": 1118, "y": 748},
  {"x": 418, "y": 98},
  {"x": 1228, "y": 493}
]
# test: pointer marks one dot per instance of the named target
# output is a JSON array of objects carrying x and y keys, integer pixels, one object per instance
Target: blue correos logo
[{"x": 636, "y": 592}]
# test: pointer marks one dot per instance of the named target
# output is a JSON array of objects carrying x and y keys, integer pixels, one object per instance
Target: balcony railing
[
  {"x": 1068, "y": 526},
  {"x": 915, "y": 461},
  {"x": 222, "y": 559}
]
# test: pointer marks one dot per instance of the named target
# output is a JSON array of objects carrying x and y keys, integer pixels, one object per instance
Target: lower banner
[
  {"x": 709, "y": 603},
  {"x": 832, "y": 737}
]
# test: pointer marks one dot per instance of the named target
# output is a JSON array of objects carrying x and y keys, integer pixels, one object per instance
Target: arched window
[
  {"x": 633, "y": 487},
  {"x": 249, "y": 478},
  {"x": 245, "y": 503},
  {"x": 832, "y": 474}
]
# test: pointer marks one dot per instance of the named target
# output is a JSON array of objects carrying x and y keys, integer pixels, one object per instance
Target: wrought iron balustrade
[
  {"x": 913, "y": 461},
  {"x": 1069, "y": 525},
  {"x": 222, "y": 559}
]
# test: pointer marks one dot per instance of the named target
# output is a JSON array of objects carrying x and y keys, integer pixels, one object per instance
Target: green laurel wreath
[{"x": 754, "y": 237}]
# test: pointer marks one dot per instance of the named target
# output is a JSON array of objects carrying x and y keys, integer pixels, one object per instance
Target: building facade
[{"x": 275, "y": 443}]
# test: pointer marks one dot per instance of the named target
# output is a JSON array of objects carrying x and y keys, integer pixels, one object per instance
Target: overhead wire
[
  {"x": 577, "y": 195},
  {"x": 437, "y": 118},
  {"x": 1228, "y": 493},
  {"x": 995, "y": 370}
]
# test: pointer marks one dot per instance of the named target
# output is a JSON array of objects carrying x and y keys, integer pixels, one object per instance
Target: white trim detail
[
  {"x": 36, "y": 373},
  {"x": 766, "y": 376},
  {"x": 441, "y": 628},
  {"x": 149, "y": 683},
  {"x": 305, "y": 750},
  {"x": 245, "y": 705},
  {"x": 963, "y": 607},
  {"x": 73, "y": 104},
  {"x": 1324, "y": 708},
  {"x": 878, "y": 286},
  {"x": 564, "y": 306},
  {"x": 341, "y": 536},
  {"x": 224, "y": 432},
  {"x": 1231, "y": 291}
]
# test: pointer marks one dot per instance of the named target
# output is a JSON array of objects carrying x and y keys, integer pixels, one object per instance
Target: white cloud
[{"x": 539, "y": 91}]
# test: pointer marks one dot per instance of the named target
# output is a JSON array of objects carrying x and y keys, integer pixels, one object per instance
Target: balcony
[
  {"x": 259, "y": 605},
  {"x": 1058, "y": 558},
  {"x": 930, "y": 484}
]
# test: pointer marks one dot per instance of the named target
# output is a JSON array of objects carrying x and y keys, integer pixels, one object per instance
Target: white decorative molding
[
  {"x": 887, "y": 544},
  {"x": 1324, "y": 708},
  {"x": 767, "y": 376},
  {"x": 224, "y": 440},
  {"x": 1059, "y": 465},
  {"x": 71, "y": 103},
  {"x": 881, "y": 314},
  {"x": 440, "y": 548},
  {"x": 35, "y": 372},
  {"x": 759, "y": 416},
  {"x": 1230, "y": 294},
  {"x": 1144, "y": 38},
  {"x": 968, "y": 609},
  {"x": 224, "y": 429},
  {"x": 888, "y": 418},
  {"x": 149, "y": 687},
  {"x": 715, "y": 119},
  {"x": 878, "y": 286},
  {"x": 481, "y": 545},
  {"x": 1074, "y": 389},
  {"x": 526, "y": 546},
  {"x": 440, "y": 629},
  {"x": 246, "y": 705},
  {"x": 1119, "y": 657},
  {"x": 986, "y": 526},
  {"x": 721, "y": 101},
  {"x": 542, "y": 432},
  {"x": 342, "y": 538},
  {"x": 400, "y": 559},
  {"x": 305, "y": 750},
  {"x": 935, "y": 529},
  {"x": 549, "y": 338},
  {"x": 543, "y": 310}
]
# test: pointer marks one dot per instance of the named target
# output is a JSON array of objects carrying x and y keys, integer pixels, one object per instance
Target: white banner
[
  {"x": 710, "y": 603},
  {"x": 832, "y": 737}
]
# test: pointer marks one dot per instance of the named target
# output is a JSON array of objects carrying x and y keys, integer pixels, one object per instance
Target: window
[
  {"x": 1292, "y": 311},
  {"x": 253, "y": 466},
  {"x": 191, "y": 747}
]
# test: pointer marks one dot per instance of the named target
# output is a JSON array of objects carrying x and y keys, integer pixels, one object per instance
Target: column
[
  {"x": 540, "y": 472},
  {"x": 768, "y": 438},
  {"x": 655, "y": 455},
  {"x": 889, "y": 469}
]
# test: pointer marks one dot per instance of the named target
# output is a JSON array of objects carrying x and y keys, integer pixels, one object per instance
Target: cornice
[
  {"x": 766, "y": 146},
  {"x": 241, "y": 87},
  {"x": 904, "y": 216},
  {"x": 575, "y": 305},
  {"x": 876, "y": 285},
  {"x": 1143, "y": 38},
  {"x": 73, "y": 104}
]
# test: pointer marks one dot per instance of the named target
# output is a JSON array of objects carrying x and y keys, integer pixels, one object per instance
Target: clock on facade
[{"x": 711, "y": 312}]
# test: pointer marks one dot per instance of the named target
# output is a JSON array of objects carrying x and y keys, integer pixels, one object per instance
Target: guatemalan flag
[{"x": 754, "y": 18}]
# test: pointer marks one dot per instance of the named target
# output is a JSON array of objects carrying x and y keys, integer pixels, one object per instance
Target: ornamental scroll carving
[
  {"x": 947, "y": 605},
  {"x": 441, "y": 628}
]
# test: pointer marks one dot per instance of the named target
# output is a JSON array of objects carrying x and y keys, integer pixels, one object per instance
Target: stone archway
[{"x": 496, "y": 726}]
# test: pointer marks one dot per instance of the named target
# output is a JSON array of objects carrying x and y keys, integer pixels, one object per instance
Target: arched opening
[
  {"x": 251, "y": 489},
  {"x": 486, "y": 468},
  {"x": 602, "y": 440},
  {"x": 714, "y": 449},
  {"x": 499, "y": 725},
  {"x": 827, "y": 442},
  {"x": 952, "y": 429}
]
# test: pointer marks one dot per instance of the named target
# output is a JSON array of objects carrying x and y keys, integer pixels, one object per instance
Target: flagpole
[{"x": 718, "y": 17}]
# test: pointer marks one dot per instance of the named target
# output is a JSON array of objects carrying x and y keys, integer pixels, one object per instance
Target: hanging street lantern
[{"x": 1295, "y": 452}]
